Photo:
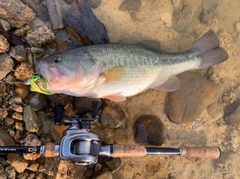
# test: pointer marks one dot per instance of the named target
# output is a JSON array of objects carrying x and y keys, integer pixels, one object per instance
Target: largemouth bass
[{"x": 117, "y": 71}]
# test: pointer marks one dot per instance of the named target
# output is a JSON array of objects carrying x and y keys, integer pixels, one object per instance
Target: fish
[{"x": 117, "y": 71}]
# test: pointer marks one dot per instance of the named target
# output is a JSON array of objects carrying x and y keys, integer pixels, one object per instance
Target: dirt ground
[{"x": 177, "y": 24}]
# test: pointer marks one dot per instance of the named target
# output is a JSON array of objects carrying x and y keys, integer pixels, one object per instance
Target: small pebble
[
  {"x": 3, "y": 114},
  {"x": 98, "y": 167},
  {"x": 22, "y": 91},
  {"x": 114, "y": 164},
  {"x": 238, "y": 27},
  {"x": 33, "y": 167},
  {"x": 37, "y": 50},
  {"x": 82, "y": 105},
  {"x": 104, "y": 175},
  {"x": 19, "y": 53},
  {"x": 112, "y": 117},
  {"x": 15, "y": 100},
  {"x": 16, "y": 107},
  {"x": 4, "y": 45},
  {"x": 1, "y": 101},
  {"x": 205, "y": 17},
  {"x": 6, "y": 64},
  {"x": 17, "y": 136},
  {"x": 17, "y": 116},
  {"x": 11, "y": 132},
  {"x": 39, "y": 102},
  {"x": 21, "y": 32},
  {"x": 32, "y": 123},
  {"x": 24, "y": 71},
  {"x": 8, "y": 122},
  {"x": 176, "y": 3},
  {"x": 10, "y": 78},
  {"x": 130, "y": 5},
  {"x": 5, "y": 25},
  {"x": 11, "y": 172},
  {"x": 19, "y": 126},
  {"x": 5, "y": 138}
]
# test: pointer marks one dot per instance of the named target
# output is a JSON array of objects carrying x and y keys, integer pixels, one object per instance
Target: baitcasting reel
[{"x": 79, "y": 144}]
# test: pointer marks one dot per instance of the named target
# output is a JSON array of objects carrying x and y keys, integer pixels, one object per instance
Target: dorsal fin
[{"x": 150, "y": 45}]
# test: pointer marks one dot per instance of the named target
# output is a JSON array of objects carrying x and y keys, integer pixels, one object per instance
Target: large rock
[
  {"x": 32, "y": 123},
  {"x": 81, "y": 18},
  {"x": 6, "y": 65},
  {"x": 18, "y": 162},
  {"x": 16, "y": 13},
  {"x": 40, "y": 36},
  {"x": 196, "y": 94},
  {"x": 24, "y": 71},
  {"x": 39, "y": 8}
]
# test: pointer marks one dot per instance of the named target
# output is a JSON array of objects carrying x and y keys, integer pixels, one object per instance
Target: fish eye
[{"x": 56, "y": 59}]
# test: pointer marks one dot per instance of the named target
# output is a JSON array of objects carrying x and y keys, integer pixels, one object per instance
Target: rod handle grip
[
  {"x": 201, "y": 152},
  {"x": 128, "y": 151}
]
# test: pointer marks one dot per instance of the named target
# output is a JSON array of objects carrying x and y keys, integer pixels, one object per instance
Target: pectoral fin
[
  {"x": 114, "y": 73},
  {"x": 172, "y": 84}
]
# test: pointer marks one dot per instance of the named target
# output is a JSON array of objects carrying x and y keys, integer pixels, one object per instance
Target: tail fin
[{"x": 210, "y": 52}]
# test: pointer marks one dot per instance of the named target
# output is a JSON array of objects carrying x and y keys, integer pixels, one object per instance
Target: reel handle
[{"x": 96, "y": 106}]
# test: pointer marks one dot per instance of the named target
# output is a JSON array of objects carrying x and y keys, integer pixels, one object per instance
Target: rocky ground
[{"x": 204, "y": 112}]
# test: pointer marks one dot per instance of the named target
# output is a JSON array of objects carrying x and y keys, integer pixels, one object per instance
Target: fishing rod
[{"x": 80, "y": 146}]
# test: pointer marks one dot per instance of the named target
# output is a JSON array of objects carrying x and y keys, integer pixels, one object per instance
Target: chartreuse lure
[{"x": 34, "y": 81}]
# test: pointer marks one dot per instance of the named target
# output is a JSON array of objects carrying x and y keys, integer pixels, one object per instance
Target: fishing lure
[{"x": 39, "y": 78}]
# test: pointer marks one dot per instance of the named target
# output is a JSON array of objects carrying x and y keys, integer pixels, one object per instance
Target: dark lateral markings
[{"x": 133, "y": 62}]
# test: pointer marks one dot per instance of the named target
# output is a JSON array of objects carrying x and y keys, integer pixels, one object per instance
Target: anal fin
[
  {"x": 115, "y": 97},
  {"x": 173, "y": 83}
]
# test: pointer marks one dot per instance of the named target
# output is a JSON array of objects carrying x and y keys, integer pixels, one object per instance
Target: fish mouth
[{"x": 50, "y": 73}]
